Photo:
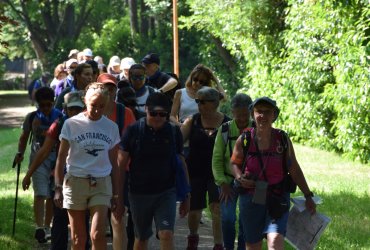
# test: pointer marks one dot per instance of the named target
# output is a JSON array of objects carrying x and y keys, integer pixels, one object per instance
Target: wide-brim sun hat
[{"x": 267, "y": 100}]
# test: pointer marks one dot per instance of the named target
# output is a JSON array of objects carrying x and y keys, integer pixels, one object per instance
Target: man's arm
[{"x": 170, "y": 84}]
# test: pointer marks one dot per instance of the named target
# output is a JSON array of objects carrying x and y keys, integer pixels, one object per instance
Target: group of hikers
[{"x": 105, "y": 141}]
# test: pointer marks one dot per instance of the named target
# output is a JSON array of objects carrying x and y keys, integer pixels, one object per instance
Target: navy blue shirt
[{"x": 151, "y": 168}]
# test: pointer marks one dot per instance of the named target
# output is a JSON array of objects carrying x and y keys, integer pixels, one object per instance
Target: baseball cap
[
  {"x": 73, "y": 99},
  {"x": 126, "y": 63},
  {"x": 151, "y": 58},
  {"x": 158, "y": 99},
  {"x": 72, "y": 52},
  {"x": 87, "y": 52},
  {"x": 106, "y": 78}
]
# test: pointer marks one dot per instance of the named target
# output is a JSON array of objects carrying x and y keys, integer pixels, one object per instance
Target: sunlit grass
[{"x": 13, "y": 92}]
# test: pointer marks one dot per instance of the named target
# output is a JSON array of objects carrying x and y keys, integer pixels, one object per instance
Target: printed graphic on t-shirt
[{"x": 92, "y": 142}]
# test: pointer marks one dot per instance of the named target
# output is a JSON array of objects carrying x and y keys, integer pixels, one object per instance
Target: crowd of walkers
[{"x": 103, "y": 143}]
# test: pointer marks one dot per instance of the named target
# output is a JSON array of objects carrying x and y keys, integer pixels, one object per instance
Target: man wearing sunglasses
[{"x": 151, "y": 143}]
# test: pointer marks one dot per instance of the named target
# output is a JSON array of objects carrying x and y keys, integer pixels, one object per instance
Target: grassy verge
[
  {"x": 13, "y": 92},
  {"x": 343, "y": 185},
  {"x": 24, "y": 223}
]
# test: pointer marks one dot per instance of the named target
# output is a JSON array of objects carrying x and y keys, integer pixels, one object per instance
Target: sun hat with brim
[
  {"x": 73, "y": 99},
  {"x": 126, "y": 63},
  {"x": 107, "y": 78},
  {"x": 87, "y": 52},
  {"x": 267, "y": 100},
  {"x": 114, "y": 61},
  {"x": 73, "y": 52}
]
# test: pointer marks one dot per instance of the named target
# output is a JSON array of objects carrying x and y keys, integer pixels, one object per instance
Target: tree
[{"x": 50, "y": 22}]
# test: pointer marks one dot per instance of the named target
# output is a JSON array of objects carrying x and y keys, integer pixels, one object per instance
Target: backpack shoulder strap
[
  {"x": 173, "y": 132},
  {"x": 30, "y": 120},
  {"x": 284, "y": 143},
  {"x": 246, "y": 142}
]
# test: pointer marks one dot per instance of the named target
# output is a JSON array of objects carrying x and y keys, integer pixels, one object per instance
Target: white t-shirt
[
  {"x": 188, "y": 106},
  {"x": 89, "y": 143}
]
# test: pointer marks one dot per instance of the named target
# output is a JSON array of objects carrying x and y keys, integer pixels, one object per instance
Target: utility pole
[{"x": 176, "y": 67}]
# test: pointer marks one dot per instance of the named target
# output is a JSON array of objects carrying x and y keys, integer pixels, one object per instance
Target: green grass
[
  {"x": 13, "y": 92},
  {"x": 343, "y": 185}
]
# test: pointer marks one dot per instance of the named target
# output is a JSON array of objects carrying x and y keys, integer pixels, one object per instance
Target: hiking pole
[{"x": 16, "y": 195}]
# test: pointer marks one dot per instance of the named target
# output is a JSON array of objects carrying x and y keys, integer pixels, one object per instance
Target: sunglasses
[
  {"x": 158, "y": 113},
  {"x": 137, "y": 77},
  {"x": 198, "y": 101},
  {"x": 45, "y": 104},
  {"x": 201, "y": 82}
]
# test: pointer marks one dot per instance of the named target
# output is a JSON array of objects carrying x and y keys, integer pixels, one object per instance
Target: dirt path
[{"x": 13, "y": 109}]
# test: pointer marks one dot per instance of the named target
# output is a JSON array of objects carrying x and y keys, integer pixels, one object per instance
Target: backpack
[
  {"x": 56, "y": 115},
  {"x": 287, "y": 183},
  {"x": 226, "y": 136},
  {"x": 182, "y": 186}
]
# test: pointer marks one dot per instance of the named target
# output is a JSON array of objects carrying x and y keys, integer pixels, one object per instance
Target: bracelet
[
  {"x": 115, "y": 196},
  {"x": 309, "y": 195}
]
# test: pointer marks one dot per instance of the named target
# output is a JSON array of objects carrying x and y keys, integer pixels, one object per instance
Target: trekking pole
[{"x": 16, "y": 195}]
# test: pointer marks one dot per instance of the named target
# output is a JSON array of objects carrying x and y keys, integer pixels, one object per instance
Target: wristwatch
[{"x": 309, "y": 195}]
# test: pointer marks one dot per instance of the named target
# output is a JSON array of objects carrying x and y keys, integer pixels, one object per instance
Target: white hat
[
  {"x": 73, "y": 99},
  {"x": 87, "y": 52},
  {"x": 114, "y": 61},
  {"x": 126, "y": 63},
  {"x": 72, "y": 52},
  {"x": 69, "y": 62}
]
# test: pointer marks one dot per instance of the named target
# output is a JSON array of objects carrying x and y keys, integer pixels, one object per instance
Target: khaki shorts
[{"x": 79, "y": 194}]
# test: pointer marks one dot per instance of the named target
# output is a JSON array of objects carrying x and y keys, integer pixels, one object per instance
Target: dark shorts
[
  {"x": 199, "y": 190},
  {"x": 160, "y": 207},
  {"x": 256, "y": 221}
]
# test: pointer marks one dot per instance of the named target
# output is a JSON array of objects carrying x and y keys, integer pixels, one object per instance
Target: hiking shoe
[
  {"x": 193, "y": 241},
  {"x": 218, "y": 247},
  {"x": 47, "y": 233},
  {"x": 40, "y": 235}
]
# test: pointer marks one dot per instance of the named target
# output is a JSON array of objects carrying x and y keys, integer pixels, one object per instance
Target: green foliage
[{"x": 311, "y": 56}]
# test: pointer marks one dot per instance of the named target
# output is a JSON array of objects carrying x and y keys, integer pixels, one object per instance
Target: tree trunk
[
  {"x": 227, "y": 58},
  {"x": 133, "y": 17},
  {"x": 144, "y": 20}
]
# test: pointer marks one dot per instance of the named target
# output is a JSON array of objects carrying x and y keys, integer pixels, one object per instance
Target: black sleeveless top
[{"x": 199, "y": 160}]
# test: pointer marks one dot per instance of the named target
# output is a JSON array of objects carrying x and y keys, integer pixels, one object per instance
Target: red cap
[{"x": 106, "y": 78}]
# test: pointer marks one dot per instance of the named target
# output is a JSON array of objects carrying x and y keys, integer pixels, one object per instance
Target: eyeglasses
[
  {"x": 156, "y": 113},
  {"x": 137, "y": 77},
  {"x": 198, "y": 101}
]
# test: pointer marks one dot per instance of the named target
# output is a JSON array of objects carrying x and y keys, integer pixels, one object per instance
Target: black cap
[
  {"x": 151, "y": 58},
  {"x": 267, "y": 100},
  {"x": 158, "y": 99}
]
